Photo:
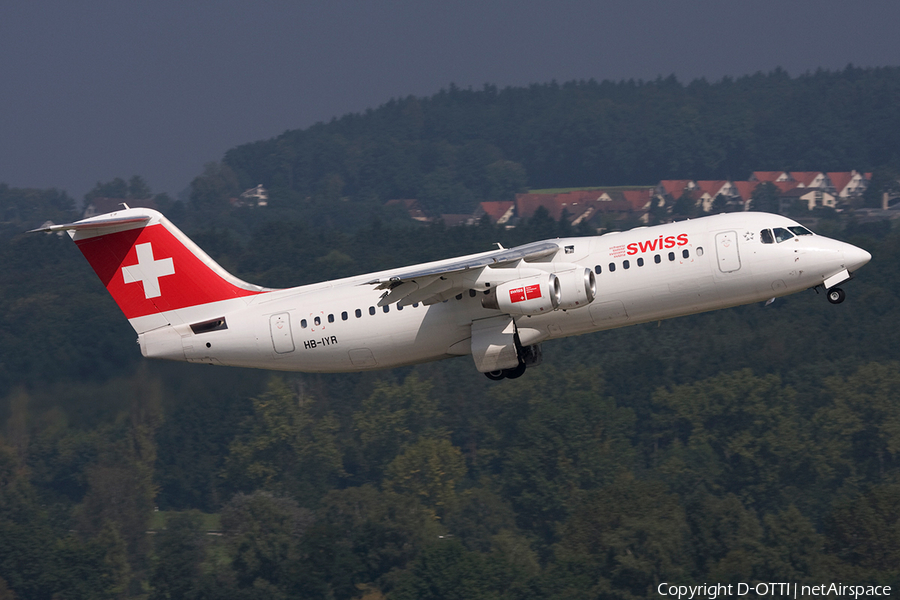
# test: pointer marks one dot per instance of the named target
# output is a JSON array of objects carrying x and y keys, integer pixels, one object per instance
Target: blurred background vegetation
[{"x": 755, "y": 443}]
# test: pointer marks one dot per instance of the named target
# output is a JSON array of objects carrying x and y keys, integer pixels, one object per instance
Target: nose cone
[{"x": 855, "y": 257}]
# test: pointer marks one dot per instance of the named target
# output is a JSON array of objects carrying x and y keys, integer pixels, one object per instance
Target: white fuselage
[{"x": 645, "y": 274}]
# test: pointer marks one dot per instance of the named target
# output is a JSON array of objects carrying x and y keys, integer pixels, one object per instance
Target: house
[
  {"x": 849, "y": 184},
  {"x": 255, "y": 196},
  {"x": 454, "y": 220},
  {"x": 709, "y": 190},
  {"x": 411, "y": 206},
  {"x": 770, "y": 176},
  {"x": 744, "y": 191},
  {"x": 810, "y": 197},
  {"x": 499, "y": 212},
  {"x": 527, "y": 205},
  {"x": 812, "y": 179},
  {"x": 672, "y": 189}
]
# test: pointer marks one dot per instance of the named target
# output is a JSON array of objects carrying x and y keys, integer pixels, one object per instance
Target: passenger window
[
  {"x": 765, "y": 236},
  {"x": 657, "y": 259},
  {"x": 331, "y": 318},
  {"x": 344, "y": 316},
  {"x": 685, "y": 253},
  {"x": 399, "y": 306},
  {"x": 640, "y": 262},
  {"x": 415, "y": 305},
  {"x": 459, "y": 296},
  {"x": 597, "y": 269},
  {"x": 798, "y": 230},
  {"x": 612, "y": 267},
  {"x": 782, "y": 234},
  {"x": 371, "y": 310},
  {"x": 699, "y": 250},
  {"x": 386, "y": 308},
  {"x": 317, "y": 321},
  {"x": 626, "y": 264},
  {"x": 302, "y": 323},
  {"x": 472, "y": 293},
  {"x": 671, "y": 256},
  {"x": 358, "y": 313}
]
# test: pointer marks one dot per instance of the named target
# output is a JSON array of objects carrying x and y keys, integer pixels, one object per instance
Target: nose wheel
[{"x": 836, "y": 295}]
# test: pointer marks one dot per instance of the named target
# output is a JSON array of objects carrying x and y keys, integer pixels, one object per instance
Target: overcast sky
[{"x": 94, "y": 90}]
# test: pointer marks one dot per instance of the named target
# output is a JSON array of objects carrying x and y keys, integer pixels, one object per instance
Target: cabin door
[
  {"x": 727, "y": 251},
  {"x": 282, "y": 338}
]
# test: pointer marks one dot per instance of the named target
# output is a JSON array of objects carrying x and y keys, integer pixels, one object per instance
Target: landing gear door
[
  {"x": 727, "y": 251},
  {"x": 280, "y": 328},
  {"x": 494, "y": 344}
]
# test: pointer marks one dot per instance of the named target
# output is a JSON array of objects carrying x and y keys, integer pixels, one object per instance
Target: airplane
[{"x": 497, "y": 306}]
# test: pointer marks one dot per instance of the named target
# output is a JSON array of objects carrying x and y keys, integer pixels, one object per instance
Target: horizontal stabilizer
[{"x": 93, "y": 224}]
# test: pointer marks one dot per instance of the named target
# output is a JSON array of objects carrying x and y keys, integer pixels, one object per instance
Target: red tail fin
[{"x": 152, "y": 270}]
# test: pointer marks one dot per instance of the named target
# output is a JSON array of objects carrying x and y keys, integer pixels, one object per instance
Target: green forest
[{"x": 760, "y": 443}]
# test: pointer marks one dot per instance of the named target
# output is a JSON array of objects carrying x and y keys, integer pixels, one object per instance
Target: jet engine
[
  {"x": 533, "y": 295},
  {"x": 578, "y": 286}
]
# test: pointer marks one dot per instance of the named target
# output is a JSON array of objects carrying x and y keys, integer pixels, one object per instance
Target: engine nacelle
[
  {"x": 577, "y": 288},
  {"x": 533, "y": 295}
]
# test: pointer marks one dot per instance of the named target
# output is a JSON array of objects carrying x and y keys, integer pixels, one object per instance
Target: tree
[
  {"x": 734, "y": 433},
  {"x": 504, "y": 179},
  {"x": 372, "y": 533},
  {"x": 686, "y": 205},
  {"x": 179, "y": 551},
  {"x": 621, "y": 541},
  {"x": 885, "y": 180},
  {"x": 550, "y": 437},
  {"x": 794, "y": 548},
  {"x": 720, "y": 204},
  {"x": 263, "y": 535},
  {"x": 120, "y": 486},
  {"x": 429, "y": 471},
  {"x": 765, "y": 198},
  {"x": 447, "y": 571},
  {"x": 282, "y": 447},
  {"x": 215, "y": 187},
  {"x": 391, "y": 418},
  {"x": 864, "y": 533},
  {"x": 861, "y": 425}
]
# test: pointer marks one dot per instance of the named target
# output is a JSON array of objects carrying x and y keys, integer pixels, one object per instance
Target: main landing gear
[
  {"x": 513, "y": 373},
  {"x": 835, "y": 295},
  {"x": 529, "y": 356}
]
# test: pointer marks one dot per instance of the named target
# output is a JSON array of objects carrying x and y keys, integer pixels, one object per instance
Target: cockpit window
[
  {"x": 782, "y": 234},
  {"x": 765, "y": 236},
  {"x": 798, "y": 230}
]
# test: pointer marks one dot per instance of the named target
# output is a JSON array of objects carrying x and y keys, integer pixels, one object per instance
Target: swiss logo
[
  {"x": 148, "y": 271},
  {"x": 529, "y": 292}
]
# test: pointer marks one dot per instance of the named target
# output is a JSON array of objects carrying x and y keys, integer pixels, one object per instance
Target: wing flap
[{"x": 528, "y": 253}]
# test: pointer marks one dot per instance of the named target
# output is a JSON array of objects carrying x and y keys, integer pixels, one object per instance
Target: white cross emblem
[{"x": 148, "y": 271}]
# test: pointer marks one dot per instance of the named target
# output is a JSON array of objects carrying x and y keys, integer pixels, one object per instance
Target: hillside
[
  {"x": 749, "y": 444},
  {"x": 462, "y": 146}
]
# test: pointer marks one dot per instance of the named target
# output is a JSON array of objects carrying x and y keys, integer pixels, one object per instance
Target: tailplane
[{"x": 153, "y": 271}]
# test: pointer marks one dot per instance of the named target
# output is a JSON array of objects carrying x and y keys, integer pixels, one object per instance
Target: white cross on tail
[{"x": 148, "y": 271}]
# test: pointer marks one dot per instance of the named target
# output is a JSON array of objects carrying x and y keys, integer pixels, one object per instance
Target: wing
[{"x": 436, "y": 282}]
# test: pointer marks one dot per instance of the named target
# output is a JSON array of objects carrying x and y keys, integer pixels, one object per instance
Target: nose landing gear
[{"x": 835, "y": 295}]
